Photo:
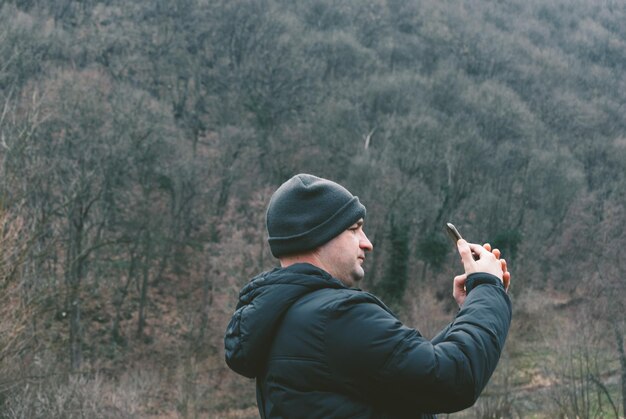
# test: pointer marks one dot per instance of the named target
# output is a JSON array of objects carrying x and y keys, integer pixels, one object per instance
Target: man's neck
[{"x": 310, "y": 258}]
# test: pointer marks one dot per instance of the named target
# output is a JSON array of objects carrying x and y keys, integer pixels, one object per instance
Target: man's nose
[{"x": 365, "y": 243}]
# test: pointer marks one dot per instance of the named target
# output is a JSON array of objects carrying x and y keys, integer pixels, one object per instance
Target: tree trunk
[
  {"x": 619, "y": 340},
  {"x": 118, "y": 302},
  {"x": 207, "y": 300},
  {"x": 73, "y": 275},
  {"x": 76, "y": 352},
  {"x": 143, "y": 297}
]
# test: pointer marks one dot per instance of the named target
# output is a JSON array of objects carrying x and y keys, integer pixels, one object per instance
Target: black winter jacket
[{"x": 320, "y": 350}]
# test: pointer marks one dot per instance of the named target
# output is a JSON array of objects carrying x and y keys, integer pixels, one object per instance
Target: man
[{"x": 319, "y": 348}]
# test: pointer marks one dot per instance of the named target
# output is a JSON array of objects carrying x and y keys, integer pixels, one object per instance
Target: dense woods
[{"x": 140, "y": 142}]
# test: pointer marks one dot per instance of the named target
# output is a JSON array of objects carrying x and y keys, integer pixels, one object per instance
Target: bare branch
[{"x": 367, "y": 138}]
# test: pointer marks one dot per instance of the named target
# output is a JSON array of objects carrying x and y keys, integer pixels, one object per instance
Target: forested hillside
[{"x": 141, "y": 140}]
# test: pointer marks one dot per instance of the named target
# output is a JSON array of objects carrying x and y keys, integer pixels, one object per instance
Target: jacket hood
[{"x": 262, "y": 304}]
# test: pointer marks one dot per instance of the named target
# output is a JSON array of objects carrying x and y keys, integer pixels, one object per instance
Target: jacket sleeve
[{"x": 396, "y": 365}]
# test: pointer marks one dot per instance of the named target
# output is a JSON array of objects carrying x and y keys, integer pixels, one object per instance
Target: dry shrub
[
  {"x": 77, "y": 397},
  {"x": 499, "y": 399},
  {"x": 15, "y": 316},
  {"x": 207, "y": 388},
  {"x": 582, "y": 370},
  {"x": 423, "y": 311},
  {"x": 133, "y": 394}
]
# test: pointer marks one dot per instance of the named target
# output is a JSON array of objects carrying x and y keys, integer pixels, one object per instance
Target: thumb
[
  {"x": 459, "y": 282},
  {"x": 458, "y": 290}
]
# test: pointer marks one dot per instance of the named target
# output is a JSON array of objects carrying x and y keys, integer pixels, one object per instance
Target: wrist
[{"x": 479, "y": 278}]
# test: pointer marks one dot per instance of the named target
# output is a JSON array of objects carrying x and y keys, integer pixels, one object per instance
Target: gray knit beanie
[{"x": 307, "y": 211}]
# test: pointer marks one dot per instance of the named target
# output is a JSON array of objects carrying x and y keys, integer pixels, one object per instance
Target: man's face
[{"x": 344, "y": 255}]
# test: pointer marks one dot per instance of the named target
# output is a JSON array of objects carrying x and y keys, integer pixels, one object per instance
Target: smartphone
[
  {"x": 453, "y": 232},
  {"x": 456, "y": 236}
]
